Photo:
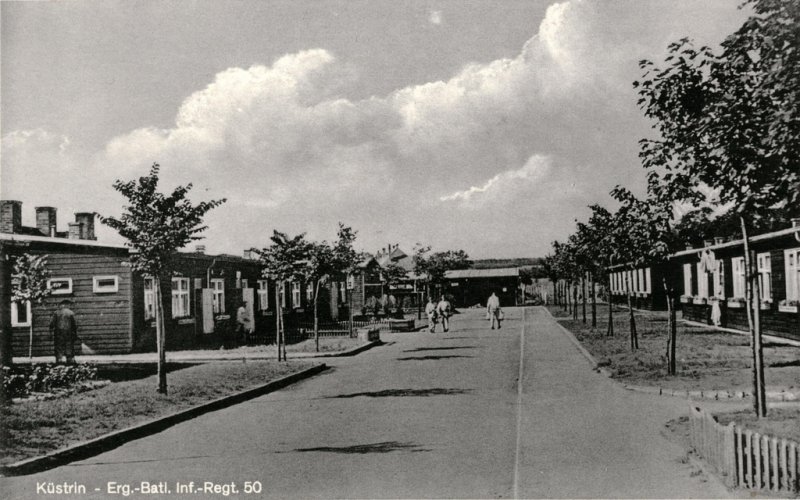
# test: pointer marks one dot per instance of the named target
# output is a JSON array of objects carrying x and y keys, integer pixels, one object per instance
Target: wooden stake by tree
[{"x": 156, "y": 226}]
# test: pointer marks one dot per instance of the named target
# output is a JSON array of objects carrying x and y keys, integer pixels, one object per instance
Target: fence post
[
  {"x": 729, "y": 450},
  {"x": 793, "y": 468},
  {"x": 748, "y": 435},
  {"x": 757, "y": 461},
  {"x": 773, "y": 448}
]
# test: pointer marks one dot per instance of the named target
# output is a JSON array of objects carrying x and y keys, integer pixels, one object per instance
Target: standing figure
[
  {"x": 493, "y": 310},
  {"x": 430, "y": 310},
  {"x": 64, "y": 330},
  {"x": 242, "y": 327},
  {"x": 444, "y": 310}
]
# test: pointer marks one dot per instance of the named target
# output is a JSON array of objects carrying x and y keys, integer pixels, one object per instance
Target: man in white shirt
[
  {"x": 444, "y": 310},
  {"x": 493, "y": 310}
]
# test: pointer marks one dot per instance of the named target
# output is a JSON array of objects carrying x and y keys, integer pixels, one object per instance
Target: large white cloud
[{"x": 538, "y": 136}]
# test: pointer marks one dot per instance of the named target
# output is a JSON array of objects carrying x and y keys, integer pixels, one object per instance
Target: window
[
  {"x": 687, "y": 280},
  {"x": 218, "y": 287},
  {"x": 719, "y": 280},
  {"x": 738, "y": 277},
  {"x": 263, "y": 295},
  {"x": 283, "y": 295},
  {"x": 180, "y": 297},
  {"x": 792, "y": 257},
  {"x": 309, "y": 292},
  {"x": 60, "y": 286},
  {"x": 245, "y": 283},
  {"x": 351, "y": 282},
  {"x": 343, "y": 291},
  {"x": 149, "y": 299},
  {"x": 21, "y": 316},
  {"x": 640, "y": 285},
  {"x": 105, "y": 284},
  {"x": 295, "y": 294},
  {"x": 648, "y": 282},
  {"x": 764, "y": 263},
  {"x": 702, "y": 282}
]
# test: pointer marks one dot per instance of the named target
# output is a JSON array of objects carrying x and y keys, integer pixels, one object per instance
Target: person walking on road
[
  {"x": 64, "y": 330},
  {"x": 493, "y": 310},
  {"x": 444, "y": 309},
  {"x": 430, "y": 311}
]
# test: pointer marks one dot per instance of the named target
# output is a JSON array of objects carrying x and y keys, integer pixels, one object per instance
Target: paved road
[{"x": 425, "y": 416}]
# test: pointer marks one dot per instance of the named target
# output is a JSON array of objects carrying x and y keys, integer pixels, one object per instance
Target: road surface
[{"x": 427, "y": 415}]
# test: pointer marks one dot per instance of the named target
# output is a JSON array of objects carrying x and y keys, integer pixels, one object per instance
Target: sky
[{"x": 475, "y": 125}]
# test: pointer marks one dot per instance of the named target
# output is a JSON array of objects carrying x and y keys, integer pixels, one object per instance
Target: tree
[
  {"x": 433, "y": 267},
  {"x": 155, "y": 227},
  {"x": 29, "y": 286},
  {"x": 286, "y": 259},
  {"x": 316, "y": 271},
  {"x": 728, "y": 121}
]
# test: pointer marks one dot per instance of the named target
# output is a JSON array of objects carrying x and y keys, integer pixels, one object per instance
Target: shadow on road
[
  {"x": 394, "y": 393},
  {"x": 442, "y": 348},
  {"x": 384, "y": 447},
  {"x": 425, "y": 358}
]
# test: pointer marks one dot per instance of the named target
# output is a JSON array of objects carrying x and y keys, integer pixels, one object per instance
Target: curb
[
  {"x": 773, "y": 396},
  {"x": 115, "y": 439}
]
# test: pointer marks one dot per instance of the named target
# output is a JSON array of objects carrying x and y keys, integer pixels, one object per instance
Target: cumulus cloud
[{"x": 553, "y": 126}]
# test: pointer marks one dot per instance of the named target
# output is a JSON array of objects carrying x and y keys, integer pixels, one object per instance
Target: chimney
[
  {"x": 248, "y": 254},
  {"x": 46, "y": 220},
  {"x": 75, "y": 230},
  {"x": 86, "y": 219},
  {"x": 10, "y": 216},
  {"x": 200, "y": 249}
]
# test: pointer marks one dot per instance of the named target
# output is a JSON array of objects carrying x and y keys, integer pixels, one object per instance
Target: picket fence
[{"x": 744, "y": 458}]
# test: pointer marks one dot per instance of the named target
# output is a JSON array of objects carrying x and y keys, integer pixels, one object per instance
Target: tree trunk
[
  {"x": 316, "y": 316},
  {"x": 594, "y": 300},
  {"x": 672, "y": 338},
  {"x": 634, "y": 336},
  {"x": 30, "y": 338},
  {"x": 753, "y": 299},
  {"x": 278, "y": 316},
  {"x": 610, "y": 331},
  {"x": 575, "y": 301},
  {"x": 583, "y": 296},
  {"x": 162, "y": 355}
]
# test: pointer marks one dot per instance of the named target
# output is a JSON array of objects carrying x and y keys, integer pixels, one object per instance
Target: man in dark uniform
[{"x": 64, "y": 330}]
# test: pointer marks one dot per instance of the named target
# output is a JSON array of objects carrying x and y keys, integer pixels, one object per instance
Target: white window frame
[
  {"x": 283, "y": 295},
  {"x": 640, "y": 285},
  {"x": 648, "y": 281},
  {"x": 296, "y": 294},
  {"x": 245, "y": 283},
  {"x": 309, "y": 292},
  {"x": 792, "y": 264},
  {"x": 63, "y": 291},
  {"x": 687, "y": 280},
  {"x": 15, "y": 314},
  {"x": 702, "y": 282},
  {"x": 263, "y": 295},
  {"x": 764, "y": 266},
  {"x": 181, "y": 297},
  {"x": 343, "y": 291},
  {"x": 218, "y": 293},
  {"x": 739, "y": 273},
  {"x": 97, "y": 288},
  {"x": 149, "y": 299}
]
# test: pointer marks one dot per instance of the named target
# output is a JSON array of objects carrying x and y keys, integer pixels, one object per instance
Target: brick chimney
[
  {"x": 249, "y": 254},
  {"x": 86, "y": 220},
  {"x": 10, "y": 216},
  {"x": 75, "y": 230},
  {"x": 46, "y": 220}
]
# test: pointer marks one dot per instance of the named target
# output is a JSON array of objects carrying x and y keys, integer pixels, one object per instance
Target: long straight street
[{"x": 427, "y": 415}]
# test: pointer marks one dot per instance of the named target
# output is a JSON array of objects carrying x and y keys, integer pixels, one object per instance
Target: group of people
[{"x": 443, "y": 310}]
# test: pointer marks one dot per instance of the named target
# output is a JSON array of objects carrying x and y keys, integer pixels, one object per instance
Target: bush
[{"x": 19, "y": 381}]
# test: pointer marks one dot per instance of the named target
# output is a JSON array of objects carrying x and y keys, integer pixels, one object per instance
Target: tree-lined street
[{"x": 423, "y": 416}]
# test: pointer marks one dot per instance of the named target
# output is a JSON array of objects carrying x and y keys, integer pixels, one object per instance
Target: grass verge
[
  {"x": 708, "y": 359},
  {"x": 38, "y": 427}
]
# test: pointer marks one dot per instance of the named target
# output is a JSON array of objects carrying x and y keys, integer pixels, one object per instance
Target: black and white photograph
[{"x": 323, "y": 249}]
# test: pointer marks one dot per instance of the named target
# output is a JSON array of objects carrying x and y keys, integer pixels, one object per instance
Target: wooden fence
[{"x": 745, "y": 458}]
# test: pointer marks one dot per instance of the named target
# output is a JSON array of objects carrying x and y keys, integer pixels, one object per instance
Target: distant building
[{"x": 471, "y": 287}]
